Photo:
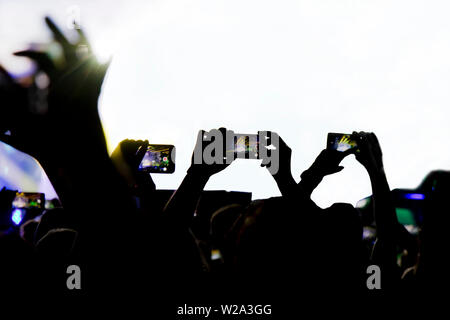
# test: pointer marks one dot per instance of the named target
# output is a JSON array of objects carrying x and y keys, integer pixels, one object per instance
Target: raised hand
[
  {"x": 69, "y": 130},
  {"x": 327, "y": 162},
  {"x": 369, "y": 155},
  {"x": 279, "y": 160},
  {"x": 211, "y": 157},
  {"x": 133, "y": 151},
  {"x": 389, "y": 231},
  {"x": 127, "y": 157},
  {"x": 72, "y": 98},
  {"x": 74, "y": 53}
]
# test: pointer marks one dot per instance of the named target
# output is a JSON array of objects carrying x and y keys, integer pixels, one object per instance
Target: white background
[{"x": 300, "y": 68}]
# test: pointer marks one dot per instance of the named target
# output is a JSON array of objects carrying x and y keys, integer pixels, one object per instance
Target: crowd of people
[{"x": 109, "y": 223}]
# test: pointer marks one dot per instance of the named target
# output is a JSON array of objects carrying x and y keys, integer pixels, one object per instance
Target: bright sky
[{"x": 300, "y": 68}]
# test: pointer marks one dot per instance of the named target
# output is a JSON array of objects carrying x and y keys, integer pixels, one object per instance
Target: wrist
[
  {"x": 312, "y": 174},
  {"x": 198, "y": 174},
  {"x": 375, "y": 172},
  {"x": 309, "y": 181},
  {"x": 283, "y": 176},
  {"x": 285, "y": 182}
]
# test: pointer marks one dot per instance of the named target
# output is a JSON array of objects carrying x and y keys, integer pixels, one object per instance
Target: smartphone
[
  {"x": 242, "y": 146},
  {"x": 28, "y": 200},
  {"x": 159, "y": 158},
  {"x": 246, "y": 146},
  {"x": 340, "y": 142}
]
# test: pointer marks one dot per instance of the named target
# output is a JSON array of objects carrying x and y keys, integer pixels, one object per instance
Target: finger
[
  {"x": 328, "y": 171},
  {"x": 201, "y": 135},
  {"x": 347, "y": 152},
  {"x": 357, "y": 136},
  {"x": 273, "y": 137},
  {"x": 41, "y": 58},
  {"x": 282, "y": 143},
  {"x": 363, "y": 143},
  {"x": 141, "y": 152},
  {"x": 141, "y": 146},
  {"x": 334, "y": 170},
  {"x": 57, "y": 34},
  {"x": 268, "y": 137},
  {"x": 265, "y": 161},
  {"x": 223, "y": 131},
  {"x": 374, "y": 138},
  {"x": 82, "y": 39},
  {"x": 363, "y": 136}
]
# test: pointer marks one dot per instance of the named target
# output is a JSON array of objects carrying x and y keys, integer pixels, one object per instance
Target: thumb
[
  {"x": 265, "y": 161},
  {"x": 335, "y": 170},
  {"x": 141, "y": 151}
]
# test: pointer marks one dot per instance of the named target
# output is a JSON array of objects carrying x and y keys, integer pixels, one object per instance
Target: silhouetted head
[
  {"x": 57, "y": 243},
  {"x": 52, "y": 219},
  {"x": 28, "y": 229},
  {"x": 223, "y": 220}
]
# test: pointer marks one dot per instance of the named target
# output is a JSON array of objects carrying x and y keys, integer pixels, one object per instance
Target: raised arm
[
  {"x": 384, "y": 253},
  {"x": 67, "y": 131},
  {"x": 126, "y": 158},
  {"x": 279, "y": 160},
  {"x": 181, "y": 206},
  {"x": 326, "y": 163}
]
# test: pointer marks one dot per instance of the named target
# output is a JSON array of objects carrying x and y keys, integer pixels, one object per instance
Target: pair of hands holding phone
[
  {"x": 367, "y": 152},
  {"x": 365, "y": 147},
  {"x": 267, "y": 144}
]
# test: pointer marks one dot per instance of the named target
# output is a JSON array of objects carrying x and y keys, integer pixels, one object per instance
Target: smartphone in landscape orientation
[
  {"x": 246, "y": 146},
  {"x": 242, "y": 146},
  {"x": 340, "y": 142},
  {"x": 27, "y": 200},
  {"x": 159, "y": 158}
]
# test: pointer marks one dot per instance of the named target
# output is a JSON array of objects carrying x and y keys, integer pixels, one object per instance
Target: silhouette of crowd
[{"x": 125, "y": 234}]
